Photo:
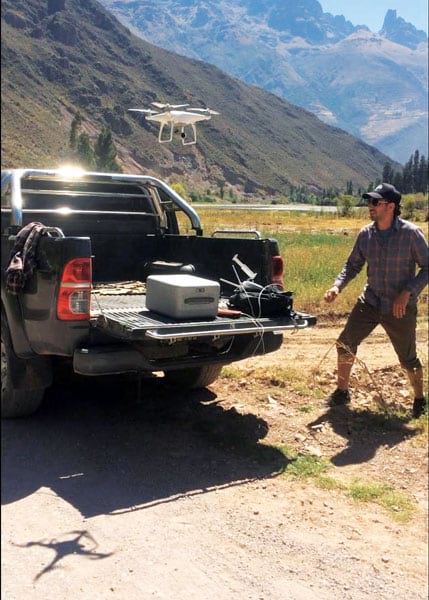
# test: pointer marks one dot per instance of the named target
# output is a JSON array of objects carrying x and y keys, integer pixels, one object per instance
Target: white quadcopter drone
[{"x": 176, "y": 115}]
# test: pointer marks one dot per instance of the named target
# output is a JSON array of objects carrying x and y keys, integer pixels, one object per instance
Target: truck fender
[
  {"x": 34, "y": 372},
  {"x": 11, "y": 310}
]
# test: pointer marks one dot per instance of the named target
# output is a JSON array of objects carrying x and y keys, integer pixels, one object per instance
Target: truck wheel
[
  {"x": 195, "y": 377},
  {"x": 15, "y": 402}
]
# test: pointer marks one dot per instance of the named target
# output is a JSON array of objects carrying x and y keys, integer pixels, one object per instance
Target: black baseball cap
[{"x": 385, "y": 191}]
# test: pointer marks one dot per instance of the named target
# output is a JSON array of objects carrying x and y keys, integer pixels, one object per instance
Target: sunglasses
[{"x": 376, "y": 201}]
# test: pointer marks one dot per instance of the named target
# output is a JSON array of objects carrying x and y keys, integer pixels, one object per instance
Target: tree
[
  {"x": 388, "y": 173},
  {"x": 416, "y": 170},
  {"x": 349, "y": 188},
  {"x": 84, "y": 151},
  {"x": 105, "y": 152},
  {"x": 398, "y": 181},
  {"x": 407, "y": 177},
  {"x": 74, "y": 130},
  {"x": 423, "y": 176},
  {"x": 221, "y": 189},
  {"x": 345, "y": 204},
  {"x": 414, "y": 176},
  {"x": 180, "y": 189}
]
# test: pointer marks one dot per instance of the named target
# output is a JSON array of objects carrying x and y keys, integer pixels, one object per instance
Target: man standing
[{"x": 392, "y": 249}]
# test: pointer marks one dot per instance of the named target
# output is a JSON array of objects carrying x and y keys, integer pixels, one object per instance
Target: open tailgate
[{"x": 127, "y": 318}]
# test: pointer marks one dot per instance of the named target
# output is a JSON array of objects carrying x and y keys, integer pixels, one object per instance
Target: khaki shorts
[{"x": 364, "y": 318}]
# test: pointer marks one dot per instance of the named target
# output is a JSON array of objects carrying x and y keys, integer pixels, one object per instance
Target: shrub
[{"x": 345, "y": 205}]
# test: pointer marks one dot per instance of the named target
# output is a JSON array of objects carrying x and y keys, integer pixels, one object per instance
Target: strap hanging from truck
[{"x": 23, "y": 261}]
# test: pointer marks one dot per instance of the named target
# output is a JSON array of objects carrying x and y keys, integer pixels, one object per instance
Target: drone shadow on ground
[
  {"x": 102, "y": 452},
  {"x": 80, "y": 544}
]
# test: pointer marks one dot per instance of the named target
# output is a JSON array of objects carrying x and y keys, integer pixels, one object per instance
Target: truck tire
[
  {"x": 16, "y": 401},
  {"x": 194, "y": 377}
]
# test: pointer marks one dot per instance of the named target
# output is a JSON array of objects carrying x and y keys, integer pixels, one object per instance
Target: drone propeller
[
  {"x": 204, "y": 111},
  {"x": 146, "y": 111},
  {"x": 168, "y": 106}
]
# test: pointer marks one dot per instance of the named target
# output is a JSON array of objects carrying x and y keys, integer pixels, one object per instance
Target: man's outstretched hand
[{"x": 331, "y": 294}]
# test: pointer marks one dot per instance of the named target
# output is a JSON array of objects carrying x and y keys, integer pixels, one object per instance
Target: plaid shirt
[{"x": 391, "y": 263}]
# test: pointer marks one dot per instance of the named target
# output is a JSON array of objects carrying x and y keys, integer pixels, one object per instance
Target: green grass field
[{"x": 314, "y": 248}]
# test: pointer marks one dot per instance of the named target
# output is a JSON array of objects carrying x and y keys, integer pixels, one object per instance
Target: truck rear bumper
[
  {"x": 115, "y": 360},
  {"x": 108, "y": 360},
  {"x": 123, "y": 358}
]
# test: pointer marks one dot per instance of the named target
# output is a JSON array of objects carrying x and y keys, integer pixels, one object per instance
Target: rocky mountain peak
[
  {"x": 300, "y": 18},
  {"x": 396, "y": 29}
]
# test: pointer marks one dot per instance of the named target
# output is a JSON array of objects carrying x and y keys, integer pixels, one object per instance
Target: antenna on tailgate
[{"x": 250, "y": 274}]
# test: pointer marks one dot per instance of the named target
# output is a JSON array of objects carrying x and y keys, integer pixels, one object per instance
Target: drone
[{"x": 176, "y": 115}]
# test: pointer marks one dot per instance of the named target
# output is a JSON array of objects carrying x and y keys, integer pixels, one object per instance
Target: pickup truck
[{"x": 84, "y": 304}]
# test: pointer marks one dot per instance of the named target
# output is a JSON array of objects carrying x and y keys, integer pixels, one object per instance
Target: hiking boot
[
  {"x": 339, "y": 397},
  {"x": 419, "y": 407}
]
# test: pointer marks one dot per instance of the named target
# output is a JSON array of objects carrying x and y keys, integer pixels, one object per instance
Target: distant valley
[
  {"x": 64, "y": 56},
  {"x": 373, "y": 85}
]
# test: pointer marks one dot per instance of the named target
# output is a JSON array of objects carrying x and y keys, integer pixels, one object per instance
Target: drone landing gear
[
  {"x": 188, "y": 133},
  {"x": 193, "y": 139},
  {"x": 167, "y": 138}
]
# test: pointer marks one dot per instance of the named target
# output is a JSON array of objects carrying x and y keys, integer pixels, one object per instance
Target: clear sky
[{"x": 372, "y": 12}]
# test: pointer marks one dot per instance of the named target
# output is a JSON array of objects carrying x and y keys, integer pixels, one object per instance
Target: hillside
[
  {"x": 59, "y": 56},
  {"x": 373, "y": 85}
]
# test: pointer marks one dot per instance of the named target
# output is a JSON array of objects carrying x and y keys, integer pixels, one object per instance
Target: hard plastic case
[{"x": 182, "y": 296}]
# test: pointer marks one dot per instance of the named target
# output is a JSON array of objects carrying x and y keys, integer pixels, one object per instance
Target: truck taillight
[
  {"x": 74, "y": 295},
  {"x": 277, "y": 271}
]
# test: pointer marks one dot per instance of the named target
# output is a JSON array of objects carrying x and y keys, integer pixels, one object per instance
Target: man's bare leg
[
  {"x": 344, "y": 366},
  {"x": 416, "y": 380},
  {"x": 341, "y": 395}
]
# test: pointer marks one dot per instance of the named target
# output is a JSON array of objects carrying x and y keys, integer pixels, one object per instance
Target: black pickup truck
[{"x": 84, "y": 300}]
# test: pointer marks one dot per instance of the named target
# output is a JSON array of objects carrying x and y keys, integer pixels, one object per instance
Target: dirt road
[{"x": 184, "y": 497}]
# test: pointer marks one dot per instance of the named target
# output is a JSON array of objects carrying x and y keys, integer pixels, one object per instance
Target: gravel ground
[{"x": 186, "y": 496}]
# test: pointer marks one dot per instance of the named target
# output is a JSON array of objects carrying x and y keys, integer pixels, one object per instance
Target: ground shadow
[
  {"x": 80, "y": 544},
  {"x": 365, "y": 432},
  {"x": 102, "y": 452}
]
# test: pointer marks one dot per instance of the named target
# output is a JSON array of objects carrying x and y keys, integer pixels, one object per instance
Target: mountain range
[
  {"x": 373, "y": 85},
  {"x": 64, "y": 56}
]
